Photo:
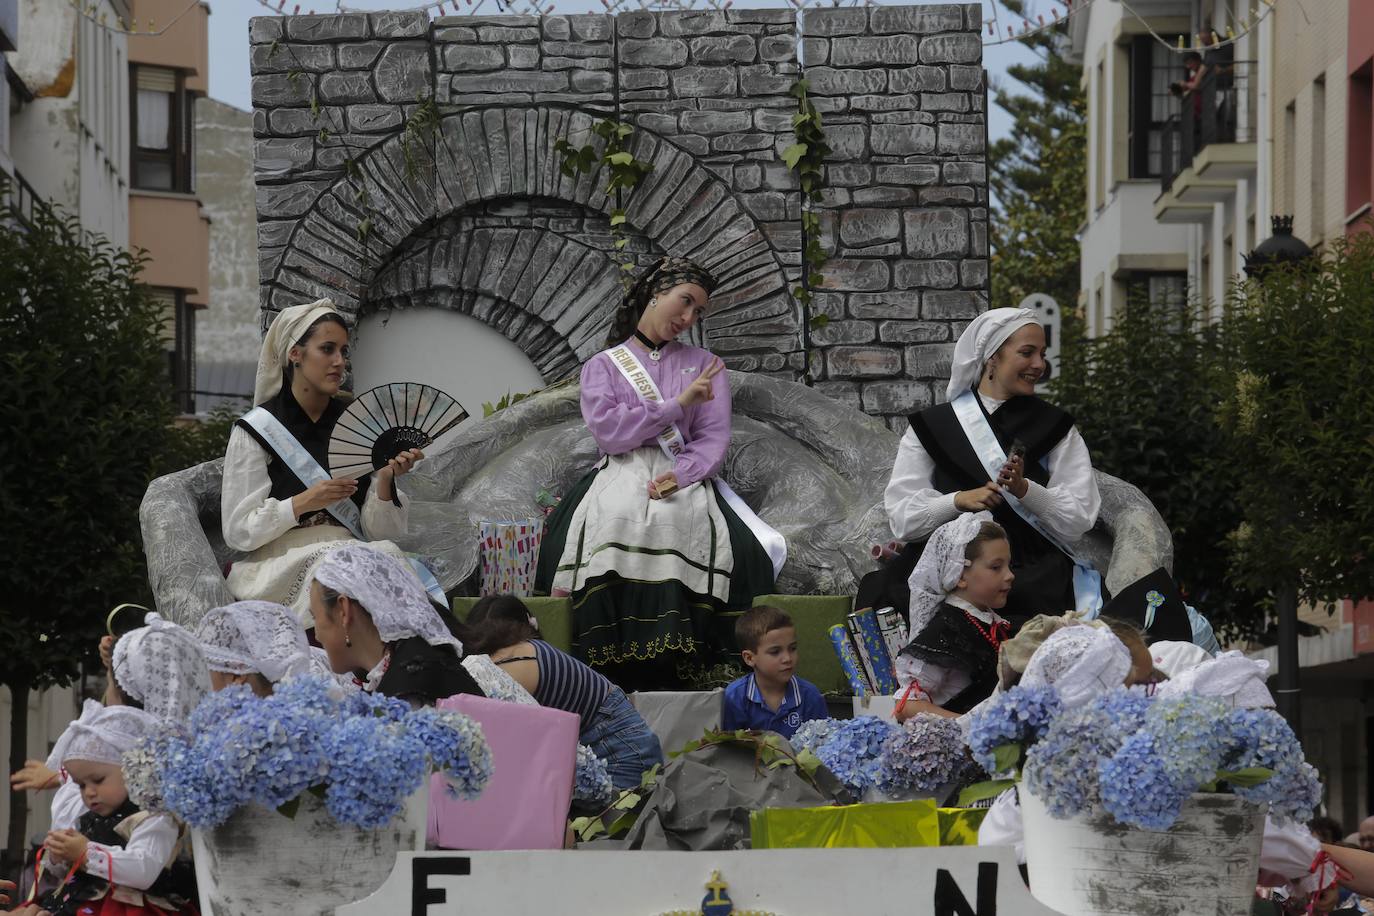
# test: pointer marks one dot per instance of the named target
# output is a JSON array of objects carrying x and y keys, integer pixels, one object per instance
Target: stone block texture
[{"x": 474, "y": 215}]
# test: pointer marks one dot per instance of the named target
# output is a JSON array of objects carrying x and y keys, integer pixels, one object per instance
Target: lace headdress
[
  {"x": 161, "y": 666},
  {"x": 388, "y": 591},
  {"x": 1231, "y": 676},
  {"x": 103, "y": 734},
  {"x": 1081, "y": 662},
  {"x": 941, "y": 566},
  {"x": 254, "y": 637}
]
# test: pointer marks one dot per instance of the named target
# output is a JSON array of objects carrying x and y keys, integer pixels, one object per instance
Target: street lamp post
[{"x": 1284, "y": 248}]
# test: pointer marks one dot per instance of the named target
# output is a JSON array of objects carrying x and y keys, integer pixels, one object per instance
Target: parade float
[{"x": 414, "y": 165}]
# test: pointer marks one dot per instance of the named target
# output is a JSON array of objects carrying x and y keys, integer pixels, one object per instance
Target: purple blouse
[{"x": 622, "y": 421}]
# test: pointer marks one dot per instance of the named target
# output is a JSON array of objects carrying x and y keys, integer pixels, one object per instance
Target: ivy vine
[
  {"x": 419, "y": 128},
  {"x": 807, "y": 157},
  {"x": 625, "y": 171}
]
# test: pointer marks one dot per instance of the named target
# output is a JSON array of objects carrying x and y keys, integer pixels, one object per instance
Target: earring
[
  {"x": 348, "y": 641},
  {"x": 653, "y": 302},
  {"x": 295, "y": 365}
]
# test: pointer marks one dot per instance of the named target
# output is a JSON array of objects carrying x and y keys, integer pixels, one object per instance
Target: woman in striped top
[{"x": 503, "y": 628}]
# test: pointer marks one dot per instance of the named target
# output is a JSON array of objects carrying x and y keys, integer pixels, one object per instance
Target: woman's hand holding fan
[
  {"x": 395, "y": 468},
  {"x": 385, "y": 428}
]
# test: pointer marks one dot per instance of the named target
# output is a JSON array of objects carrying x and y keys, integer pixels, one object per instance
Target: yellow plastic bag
[{"x": 882, "y": 825}]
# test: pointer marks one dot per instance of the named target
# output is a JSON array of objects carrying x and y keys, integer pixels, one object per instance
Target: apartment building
[
  {"x": 1359, "y": 120},
  {"x": 101, "y": 122},
  {"x": 1174, "y": 197}
]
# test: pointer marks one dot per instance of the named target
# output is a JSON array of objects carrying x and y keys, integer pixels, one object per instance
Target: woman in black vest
[
  {"x": 939, "y": 474},
  {"x": 267, "y": 510}
]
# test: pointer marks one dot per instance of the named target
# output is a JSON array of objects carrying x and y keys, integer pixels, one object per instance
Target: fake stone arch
[{"x": 480, "y": 219}]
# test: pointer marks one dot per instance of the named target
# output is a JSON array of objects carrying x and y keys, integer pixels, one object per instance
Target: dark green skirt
[{"x": 660, "y": 626}]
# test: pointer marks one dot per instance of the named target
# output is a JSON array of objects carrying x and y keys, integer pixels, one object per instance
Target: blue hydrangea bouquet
[
  {"x": 878, "y": 759},
  {"x": 364, "y": 754},
  {"x": 1139, "y": 758}
]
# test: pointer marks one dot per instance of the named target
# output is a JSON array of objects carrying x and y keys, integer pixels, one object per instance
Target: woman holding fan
[
  {"x": 657, "y": 554},
  {"x": 278, "y": 502}
]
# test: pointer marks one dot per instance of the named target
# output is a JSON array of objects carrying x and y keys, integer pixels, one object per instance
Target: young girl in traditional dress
[
  {"x": 283, "y": 522},
  {"x": 962, "y": 578},
  {"x": 112, "y": 859},
  {"x": 657, "y": 554}
]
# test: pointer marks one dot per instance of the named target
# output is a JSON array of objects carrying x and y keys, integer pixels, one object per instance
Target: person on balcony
[{"x": 656, "y": 553}]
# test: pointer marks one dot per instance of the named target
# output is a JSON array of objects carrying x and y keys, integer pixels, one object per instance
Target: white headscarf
[
  {"x": 1231, "y": 676},
  {"x": 286, "y": 329},
  {"x": 1079, "y": 662},
  {"x": 388, "y": 591},
  {"x": 250, "y": 637},
  {"x": 941, "y": 566},
  {"x": 984, "y": 335},
  {"x": 161, "y": 666},
  {"x": 103, "y": 734}
]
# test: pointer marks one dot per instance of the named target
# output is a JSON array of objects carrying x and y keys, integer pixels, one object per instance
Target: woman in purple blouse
[{"x": 657, "y": 562}]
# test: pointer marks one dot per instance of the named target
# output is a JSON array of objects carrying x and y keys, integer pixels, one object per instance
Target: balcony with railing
[
  {"x": 17, "y": 198},
  {"x": 1210, "y": 140}
]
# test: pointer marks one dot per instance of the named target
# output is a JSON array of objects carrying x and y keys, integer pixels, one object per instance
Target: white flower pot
[
  {"x": 260, "y": 861},
  {"x": 1206, "y": 863}
]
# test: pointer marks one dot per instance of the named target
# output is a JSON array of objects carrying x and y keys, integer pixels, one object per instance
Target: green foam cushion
[{"x": 554, "y": 616}]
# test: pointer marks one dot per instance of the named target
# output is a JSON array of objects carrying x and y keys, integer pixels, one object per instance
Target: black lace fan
[{"x": 384, "y": 421}]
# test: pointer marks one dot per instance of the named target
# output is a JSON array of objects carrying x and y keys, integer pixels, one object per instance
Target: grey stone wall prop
[
  {"x": 905, "y": 216},
  {"x": 815, "y": 468}
]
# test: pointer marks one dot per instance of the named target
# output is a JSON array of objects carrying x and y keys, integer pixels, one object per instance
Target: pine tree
[{"x": 1038, "y": 176}]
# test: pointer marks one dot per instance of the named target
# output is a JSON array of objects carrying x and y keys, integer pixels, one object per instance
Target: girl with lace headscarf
[
  {"x": 257, "y": 643},
  {"x": 109, "y": 855},
  {"x": 157, "y": 668},
  {"x": 938, "y": 473},
  {"x": 962, "y": 578},
  {"x": 375, "y": 621},
  {"x": 654, "y": 550},
  {"x": 283, "y": 524}
]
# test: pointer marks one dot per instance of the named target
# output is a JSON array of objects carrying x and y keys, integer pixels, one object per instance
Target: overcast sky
[{"x": 229, "y": 76}]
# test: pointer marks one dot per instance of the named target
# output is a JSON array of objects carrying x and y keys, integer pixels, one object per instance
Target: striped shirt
[{"x": 566, "y": 683}]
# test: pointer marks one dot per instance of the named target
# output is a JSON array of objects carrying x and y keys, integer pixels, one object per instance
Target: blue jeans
[{"x": 619, "y": 736}]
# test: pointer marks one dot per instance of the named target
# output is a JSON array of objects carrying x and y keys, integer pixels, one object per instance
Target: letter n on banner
[
  {"x": 423, "y": 867},
  {"x": 950, "y": 900}
]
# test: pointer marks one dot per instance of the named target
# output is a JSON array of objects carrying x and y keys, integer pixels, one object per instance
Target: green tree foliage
[
  {"x": 1299, "y": 414},
  {"x": 87, "y": 418},
  {"x": 1145, "y": 399},
  {"x": 84, "y": 402},
  {"x": 1037, "y": 176},
  {"x": 1254, "y": 436}
]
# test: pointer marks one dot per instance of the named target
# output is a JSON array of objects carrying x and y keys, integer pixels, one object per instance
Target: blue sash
[
  {"x": 305, "y": 467},
  {"x": 1087, "y": 582}
]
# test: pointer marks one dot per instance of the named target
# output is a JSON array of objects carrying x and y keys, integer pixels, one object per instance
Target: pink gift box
[{"x": 525, "y": 804}]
